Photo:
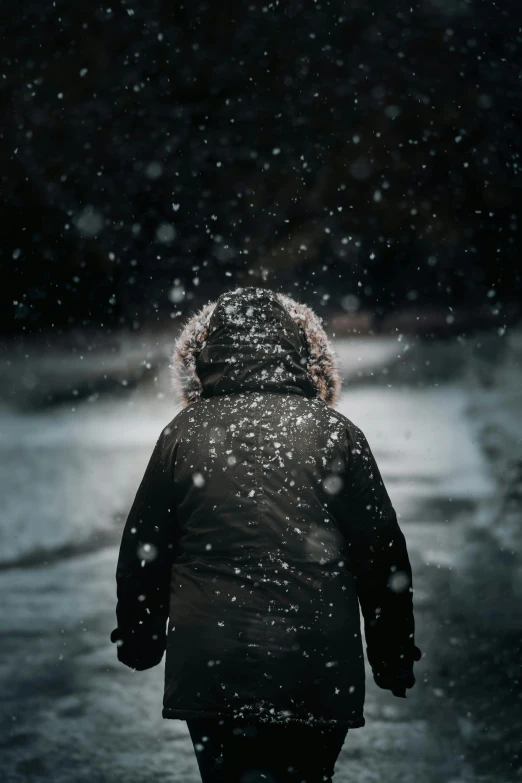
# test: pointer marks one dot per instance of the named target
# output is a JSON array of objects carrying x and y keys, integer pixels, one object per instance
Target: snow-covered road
[{"x": 72, "y": 713}]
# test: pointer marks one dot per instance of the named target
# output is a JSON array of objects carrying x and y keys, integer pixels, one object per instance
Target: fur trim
[
  {"x": 321, "y": 365},
  {"x": 322, "y": 362},
  {"x": 185, "y": 381}
]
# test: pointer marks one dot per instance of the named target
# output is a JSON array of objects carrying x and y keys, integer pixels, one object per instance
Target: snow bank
[
  {"x": 489, "y": 576},
  {"x": 67, "y": 475}
]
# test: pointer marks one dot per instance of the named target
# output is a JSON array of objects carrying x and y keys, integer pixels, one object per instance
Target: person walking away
[{"x": 260, "y": 526}]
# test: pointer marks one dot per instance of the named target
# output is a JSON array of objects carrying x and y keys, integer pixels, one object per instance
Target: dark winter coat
[{"x": 261, "y": 523}]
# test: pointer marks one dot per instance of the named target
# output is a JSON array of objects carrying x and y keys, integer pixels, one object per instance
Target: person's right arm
[
  {"x": 147, "y": 552},
  {"x": 378, "y": 558}
]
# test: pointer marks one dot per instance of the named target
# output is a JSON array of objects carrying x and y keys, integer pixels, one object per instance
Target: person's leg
[
  {"x": 234, "y": 751},
  {"x": 301, "y": 753},
  {"x": 323, "y": 748},
  {"x": 206, "y": 735},
  {"x": 226, "y": 751}
]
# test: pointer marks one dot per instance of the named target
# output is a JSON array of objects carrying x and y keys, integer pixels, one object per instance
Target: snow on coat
[{"x": 261, "y": 524}]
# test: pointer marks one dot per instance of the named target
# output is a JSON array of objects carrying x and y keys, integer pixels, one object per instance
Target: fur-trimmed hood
[{"x": 253, "y": 338}]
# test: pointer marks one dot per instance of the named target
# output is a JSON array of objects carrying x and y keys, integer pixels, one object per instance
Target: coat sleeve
[
  {"x": 377, "y": 556},
  {"x": 144, "y": 566}
]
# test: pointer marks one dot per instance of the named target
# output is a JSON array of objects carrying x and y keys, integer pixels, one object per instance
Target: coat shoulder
[
  {"x": 172, "y": 431},
  {"x": 353, "y": 431}
]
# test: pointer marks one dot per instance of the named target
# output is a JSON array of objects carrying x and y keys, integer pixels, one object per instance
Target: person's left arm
[{"x": 145, "y": 560}]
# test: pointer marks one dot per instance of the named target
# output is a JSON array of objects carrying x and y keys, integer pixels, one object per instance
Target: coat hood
[{"x": 254, "y": 339}]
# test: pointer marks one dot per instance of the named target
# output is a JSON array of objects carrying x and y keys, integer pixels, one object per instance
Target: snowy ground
[{"x": 72, "y": 713}]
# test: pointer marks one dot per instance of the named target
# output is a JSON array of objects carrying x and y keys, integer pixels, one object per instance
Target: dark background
[{"x": 153, "y": 154}]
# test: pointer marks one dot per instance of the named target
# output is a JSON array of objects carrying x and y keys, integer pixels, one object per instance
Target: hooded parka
[{"x": 261, "y": 524}]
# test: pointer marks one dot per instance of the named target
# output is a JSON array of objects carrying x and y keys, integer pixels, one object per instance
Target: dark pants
[{"x": 235, "y": 751}]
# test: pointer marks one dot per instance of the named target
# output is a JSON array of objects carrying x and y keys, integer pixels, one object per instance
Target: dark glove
[
  {"x": 141, "y": 647},
  {"x": 396, "y": 677}
]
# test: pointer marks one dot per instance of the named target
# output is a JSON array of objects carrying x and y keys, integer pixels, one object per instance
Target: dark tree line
[{"x": 360, "y": 154}]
